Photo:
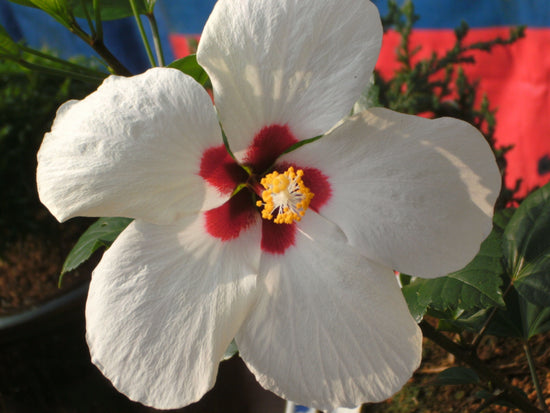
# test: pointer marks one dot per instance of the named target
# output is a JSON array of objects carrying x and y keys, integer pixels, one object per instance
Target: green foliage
[
  {"x": 476, "y": 286},
  {"x": 520, "y": 318},
  {"x": 45, "y": 62},
  {"x": 516, "y": 255},
  {"x": 519, "y": 246},
  {"x": 527, "y": 247}
]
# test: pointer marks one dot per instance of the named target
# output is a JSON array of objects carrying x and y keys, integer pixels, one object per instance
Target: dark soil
[{"x": 30, "y": 267}]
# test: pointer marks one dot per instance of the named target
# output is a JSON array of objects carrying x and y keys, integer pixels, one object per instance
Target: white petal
[
  {"x": 132, "y": 148},
  {"x": 414, "y": 194},
  {"x": 330, "y": 329},
  {"x": 302, "y": 63},
  {"x": 164, "y": 305}
]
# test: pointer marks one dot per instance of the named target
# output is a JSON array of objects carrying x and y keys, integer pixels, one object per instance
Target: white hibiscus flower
[{"x": 313, "y": 304}]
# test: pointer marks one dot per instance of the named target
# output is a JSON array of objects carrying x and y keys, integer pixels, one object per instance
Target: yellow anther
[{"x": 285, "y": 196}]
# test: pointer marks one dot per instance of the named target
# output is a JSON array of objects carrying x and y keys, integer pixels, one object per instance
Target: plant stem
[
  {"x": 534, "y": 377},
  {"x": 143, "y": 34},
  {"x": 112, "y": 61},
  {"x": 156, "y": 38},
  {"x": 100, "y": 48},
  {"x": 511, "y": 394}
]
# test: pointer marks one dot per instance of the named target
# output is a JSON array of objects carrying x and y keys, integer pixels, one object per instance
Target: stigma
[{"x": 285, "y": 198}]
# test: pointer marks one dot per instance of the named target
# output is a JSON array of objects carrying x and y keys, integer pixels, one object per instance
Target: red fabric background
[{"x": 516, "y": 79}]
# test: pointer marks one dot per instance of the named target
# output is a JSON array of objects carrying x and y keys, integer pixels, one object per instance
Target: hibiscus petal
[
  {"x": 132, "y": 148},
  {"x": 300, "y": 63},
  {"x": 414, "y": 194},
  {"x": 330, "y": 328},
  {"x": 164, "y": 305}
]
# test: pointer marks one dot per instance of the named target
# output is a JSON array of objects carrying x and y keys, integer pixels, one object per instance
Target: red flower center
[{"x": 240, "y": 211}]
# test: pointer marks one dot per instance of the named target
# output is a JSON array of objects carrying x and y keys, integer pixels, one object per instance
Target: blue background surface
[
  {"x": 189, "y": 16},
  {"x": 447, "y": 14}
]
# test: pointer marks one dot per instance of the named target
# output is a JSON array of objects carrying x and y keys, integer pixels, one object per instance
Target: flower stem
[
  {"x": 143, "y": 34},
  {"x": 156, "y": 38},
  {"x": 511, "y": 394},
  {"x": 534, "y": 377}
]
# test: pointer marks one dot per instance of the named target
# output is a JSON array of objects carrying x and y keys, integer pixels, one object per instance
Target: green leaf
[
  {"x": 467, "y": 321},
  {"x": 536, "y": 319},
  {"x": 476, "y": 286},
  {"x": 417, "y": 301},
  {"x": 527, "y": 247},
  {"x": 7, "y": 45},
  {"x": 100, "y": 234},
  {"x": 58, "y": 9},
  {"x": 191, "y": 67},
  {"x": 456, "y": 375}
]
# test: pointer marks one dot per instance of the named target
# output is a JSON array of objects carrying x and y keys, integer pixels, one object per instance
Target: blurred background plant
[{"x": 28, "y": 102}]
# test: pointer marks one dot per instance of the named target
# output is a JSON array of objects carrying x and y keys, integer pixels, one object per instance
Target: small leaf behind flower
[
  {"x": 101, "y": 233},
  {"x": 232, "y": 350},
  {"x": 191, "y": 67}
]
